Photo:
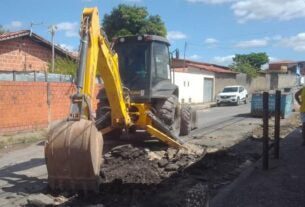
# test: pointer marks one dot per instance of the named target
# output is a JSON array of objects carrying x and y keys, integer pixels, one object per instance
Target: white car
[{"x": 232, "y": 94}]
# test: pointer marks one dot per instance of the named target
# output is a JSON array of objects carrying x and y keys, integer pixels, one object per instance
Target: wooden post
[
  {"x": 277, "y": 124},
  {"x": 265, "y": 130}
]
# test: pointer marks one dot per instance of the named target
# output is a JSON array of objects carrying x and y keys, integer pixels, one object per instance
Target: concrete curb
[{"x": 198, "y": 107}]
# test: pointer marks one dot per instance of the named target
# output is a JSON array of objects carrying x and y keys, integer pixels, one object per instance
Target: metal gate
[{"x": 208, "y": 89}]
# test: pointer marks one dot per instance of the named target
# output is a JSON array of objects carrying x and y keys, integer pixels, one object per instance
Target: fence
[
  {"x": 33, "y": 105},
  {"x": 34, "y": 76}
]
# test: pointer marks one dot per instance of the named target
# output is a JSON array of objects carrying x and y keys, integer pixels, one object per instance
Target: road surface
[
  {"x": 23, "y": 171},
  {"x": 212, "y": 119}
]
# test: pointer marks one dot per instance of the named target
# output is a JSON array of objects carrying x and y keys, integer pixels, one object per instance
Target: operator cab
[{"x": 144, "y": 64}]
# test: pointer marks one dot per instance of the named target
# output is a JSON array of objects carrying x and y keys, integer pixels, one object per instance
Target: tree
[
  {"x": 132, "y": 20},
  {"x": 64, "y": 66},
  {"x": 254, "y": 59},
  {"x": 249, "y": 64}
]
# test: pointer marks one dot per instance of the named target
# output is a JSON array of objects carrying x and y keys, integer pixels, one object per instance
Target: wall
[
  {"x": 286, "y": 80},
  {"x": 224, "y": 79},
  {"x": 23, "y": 54},
  {"x": 259, "y": 83},
  {"x": 32, "y": 105},
  {"x": 191, "y": 85}
]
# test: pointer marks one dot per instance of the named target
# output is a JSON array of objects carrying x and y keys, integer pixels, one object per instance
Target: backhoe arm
[{"x": 98, "y": 56}]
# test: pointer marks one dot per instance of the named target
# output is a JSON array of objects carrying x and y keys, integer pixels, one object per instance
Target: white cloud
[
  {"x": 252, "y": 43},
  {"x": 297, "y": 42},
  {"x": 69, "y": 48},
  {"x": 14, "y": 25},
  {"x": 210, "y": 1},
  {"x": 247, "y": 10},
  {"x": 70, "y": 28},
  {"x": 272, "y": 59},
  {"x": 176, "y": 35},
  {"x": 223, "y": 60},
  {"x": 194, "y": 57},
  {"x": 210, "y": 41},
  {"x": 87, "y": 1}
]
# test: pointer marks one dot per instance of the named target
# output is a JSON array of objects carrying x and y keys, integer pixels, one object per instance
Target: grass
[{"x": 21, "y": 138}]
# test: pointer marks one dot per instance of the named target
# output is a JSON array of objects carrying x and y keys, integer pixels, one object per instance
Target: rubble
[
  {"x": 172, "y": 167},
  {"x": 40, "y": 200}
]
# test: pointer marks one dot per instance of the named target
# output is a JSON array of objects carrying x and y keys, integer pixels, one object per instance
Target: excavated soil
[{"x": 137, "y": 176}]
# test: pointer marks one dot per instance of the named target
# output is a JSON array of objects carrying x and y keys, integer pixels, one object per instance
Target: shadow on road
[
  {"x": 18, "y": 178},
  {"x": 245, "y": 115}
]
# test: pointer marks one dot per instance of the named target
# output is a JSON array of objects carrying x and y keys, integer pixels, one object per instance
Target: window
[
  {"x": 161, "y": 61},
  {"x": 230, "y": 89}
]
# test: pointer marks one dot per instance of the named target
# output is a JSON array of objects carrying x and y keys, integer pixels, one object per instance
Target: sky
[{"x": 203, "y": 30}]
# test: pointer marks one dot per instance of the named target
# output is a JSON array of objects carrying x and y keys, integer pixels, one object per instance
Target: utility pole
[
  {"x": 34, "y": 24},
  {"x": 52, "y": 30},
  {"x": 184, "y": 53}
]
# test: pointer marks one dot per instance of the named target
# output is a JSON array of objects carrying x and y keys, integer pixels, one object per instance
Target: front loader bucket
[{"x": 73, "y": 155}]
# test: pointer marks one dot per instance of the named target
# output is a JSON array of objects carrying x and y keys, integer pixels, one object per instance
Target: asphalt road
[
  {"x": 22, "y": 172},
  {"x": 215, "y": 118}
]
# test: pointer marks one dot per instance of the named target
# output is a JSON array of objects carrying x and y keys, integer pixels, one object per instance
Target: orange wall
[
  {"x": 32, "y": 105},
  {"x": 23, "y": 54}
]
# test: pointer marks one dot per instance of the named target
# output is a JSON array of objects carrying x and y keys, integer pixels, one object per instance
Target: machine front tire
[
  {"x": 166, "y": 109},
  {"x": 185, "y": 120}
]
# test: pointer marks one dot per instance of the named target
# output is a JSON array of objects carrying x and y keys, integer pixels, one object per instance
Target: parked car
[{"x": 232, "y": 95}]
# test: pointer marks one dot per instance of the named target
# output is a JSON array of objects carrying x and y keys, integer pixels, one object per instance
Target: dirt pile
[
  {"x": 286, "y": 127},
  {"x": 128, "y": 164},
  {"x": 138, "y": 177}
]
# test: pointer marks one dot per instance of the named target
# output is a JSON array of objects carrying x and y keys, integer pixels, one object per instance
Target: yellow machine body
[{"x": 74, "y": 147}]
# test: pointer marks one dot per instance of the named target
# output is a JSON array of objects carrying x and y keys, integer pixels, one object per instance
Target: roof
[
  {"x": 27, "y": 33},
  {"x": 145, "y": 37},
  {"x": 180, "y": 64},
  {"x": 283, "y": 62}
]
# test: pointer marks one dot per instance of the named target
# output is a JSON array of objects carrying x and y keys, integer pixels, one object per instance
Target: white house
[{"x": 196, "y": 80}]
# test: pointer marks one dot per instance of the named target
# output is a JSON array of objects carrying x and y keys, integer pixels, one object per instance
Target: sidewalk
[
  {"x": 282, "y": 185},
  {"x": 202, "y": 106}
]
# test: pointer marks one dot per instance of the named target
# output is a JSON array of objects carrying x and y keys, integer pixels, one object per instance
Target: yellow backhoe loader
[{"x": 138, "y": 94}]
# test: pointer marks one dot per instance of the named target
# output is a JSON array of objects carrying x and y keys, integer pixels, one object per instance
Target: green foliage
[
  {"x": 64, "y": 66},
  {"x": 254, "y": 59},
  {"x": 249, "y": 64},
  {"x": 132, "y": 20},
  {"x": 246, "y": 68}
]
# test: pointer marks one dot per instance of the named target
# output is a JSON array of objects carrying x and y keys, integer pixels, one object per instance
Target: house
[
  {"x": 286, "y": 73},
  {"x": 289, "y": 67},
  {"x": 198, "y": 81},
  {"x": 27, "y": 51}
]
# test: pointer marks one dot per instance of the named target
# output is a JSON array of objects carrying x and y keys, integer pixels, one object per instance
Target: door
[{"x": 208, "y": 89}]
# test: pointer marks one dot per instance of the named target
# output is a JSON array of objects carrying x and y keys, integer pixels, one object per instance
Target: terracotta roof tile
[{"x": 23, "y": 33}]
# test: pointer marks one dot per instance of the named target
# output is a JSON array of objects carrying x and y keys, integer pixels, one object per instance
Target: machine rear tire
[
  {"x": 102, "y": 109},
  {"x": 185, "y": 120}
]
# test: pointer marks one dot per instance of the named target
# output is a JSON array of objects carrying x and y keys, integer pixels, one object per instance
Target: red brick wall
[
  {"x": 23, "y": 54},
  {"x": 32, "y": 105}
]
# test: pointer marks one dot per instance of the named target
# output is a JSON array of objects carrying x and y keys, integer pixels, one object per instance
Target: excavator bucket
[{"x": 73, "y": 155}]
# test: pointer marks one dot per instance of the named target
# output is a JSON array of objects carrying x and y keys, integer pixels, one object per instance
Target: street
[
  {"x": 211, "y": 119},
  {"x": 23, "y": 171}
]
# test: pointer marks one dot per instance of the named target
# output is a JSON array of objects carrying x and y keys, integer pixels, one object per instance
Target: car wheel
[
  {"x": 237, "y": 101},
  {"x": 245, "y": 101},
  {"x": 218, "y": 104}
]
